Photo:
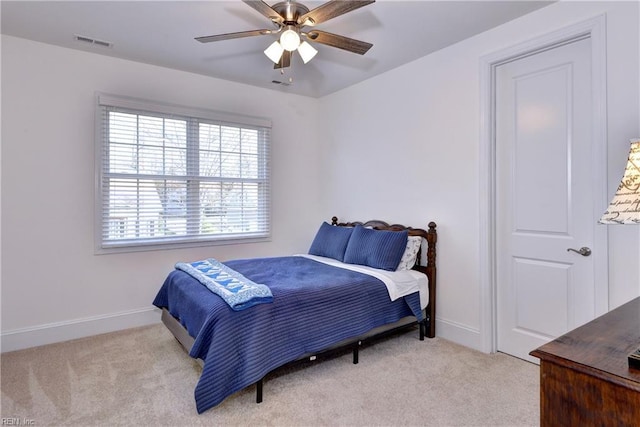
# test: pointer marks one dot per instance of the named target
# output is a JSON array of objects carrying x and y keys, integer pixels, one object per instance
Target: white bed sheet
[{"x": 398, "y": 283}]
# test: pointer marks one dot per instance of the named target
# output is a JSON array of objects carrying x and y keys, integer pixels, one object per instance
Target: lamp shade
[
  {"x": 306, "y": 52},
  {"x": 290, "y": 39},
  {"x": 625, "y": 205},
  {"x": 274, "y": 51}
]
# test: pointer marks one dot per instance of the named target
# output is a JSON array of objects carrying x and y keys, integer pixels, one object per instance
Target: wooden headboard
[{"x": 431, "y": 236}]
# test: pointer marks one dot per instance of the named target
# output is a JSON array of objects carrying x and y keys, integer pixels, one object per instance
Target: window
[{"x": 173, "y": 175}]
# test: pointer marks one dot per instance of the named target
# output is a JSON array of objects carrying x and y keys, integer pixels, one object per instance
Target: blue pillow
[
  {"x": 376, "y": 248},
  {"x": 331, "y": 241}
]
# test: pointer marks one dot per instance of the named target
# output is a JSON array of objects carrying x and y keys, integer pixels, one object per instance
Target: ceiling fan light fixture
[
  {"x": 306, "y": 51},
  {"x": 290, "y": 39},
  {"x": 274, "y": 51}
]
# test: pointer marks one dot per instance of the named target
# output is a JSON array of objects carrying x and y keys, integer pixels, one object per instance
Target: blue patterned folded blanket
[{"x": 235, "y": 289}]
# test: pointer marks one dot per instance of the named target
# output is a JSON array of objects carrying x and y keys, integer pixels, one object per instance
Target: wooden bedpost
[{"x": 432, "y": 238}]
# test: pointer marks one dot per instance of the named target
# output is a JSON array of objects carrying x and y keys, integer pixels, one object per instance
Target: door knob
[{"x": 584, "y": 251}]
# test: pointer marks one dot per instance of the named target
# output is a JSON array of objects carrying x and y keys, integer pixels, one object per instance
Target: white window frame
[{"x": 193, "y": 116}]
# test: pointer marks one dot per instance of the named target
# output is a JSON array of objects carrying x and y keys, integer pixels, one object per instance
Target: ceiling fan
[{"x": 290, "y": 18}]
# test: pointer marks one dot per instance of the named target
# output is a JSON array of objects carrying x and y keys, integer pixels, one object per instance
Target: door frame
[{"x": 594, "y": 29}]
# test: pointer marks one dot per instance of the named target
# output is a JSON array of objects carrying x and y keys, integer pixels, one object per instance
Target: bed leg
[
  {"x": 356, "y": 352},
  {"x": 259, "y": 390}
]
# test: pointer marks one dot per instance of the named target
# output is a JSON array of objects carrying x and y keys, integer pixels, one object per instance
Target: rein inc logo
[{"x": 16, "y": 421}]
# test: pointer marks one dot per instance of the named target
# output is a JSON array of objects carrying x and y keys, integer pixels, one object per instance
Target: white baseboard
[
  {"x": 79, "y": 328},
  {"x": 459, "y": 334},
  {"x": 50, "y": 333}
]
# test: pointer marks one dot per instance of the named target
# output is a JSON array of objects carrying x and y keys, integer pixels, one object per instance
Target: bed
[{"x": 350, "y": 287}]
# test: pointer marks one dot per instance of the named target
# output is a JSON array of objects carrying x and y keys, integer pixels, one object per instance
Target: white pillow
[{"x": 408, "y": 259}]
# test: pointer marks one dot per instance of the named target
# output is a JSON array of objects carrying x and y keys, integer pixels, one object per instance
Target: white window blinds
[{"x": 173, "y": 175}]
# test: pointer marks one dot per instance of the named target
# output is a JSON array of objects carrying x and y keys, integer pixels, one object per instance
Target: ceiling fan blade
[
  {"x": 341, "y": 42},
  {"x": 285, "y": 60},
  {"x": 330, "y": 10},
  {"x": 229, "y": 36},
  {"x": 265, "y": 9}
]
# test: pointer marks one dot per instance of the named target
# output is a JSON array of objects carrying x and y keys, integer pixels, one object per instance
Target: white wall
[
  {"x": 53, "y": 286},
  {"x": 409, "y": 140}
]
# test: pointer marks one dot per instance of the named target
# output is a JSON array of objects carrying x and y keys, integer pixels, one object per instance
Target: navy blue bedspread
[{"x": 314, "y": 306}]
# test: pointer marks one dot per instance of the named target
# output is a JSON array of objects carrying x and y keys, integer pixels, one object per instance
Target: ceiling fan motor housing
[{"x": 290, "y": 11}]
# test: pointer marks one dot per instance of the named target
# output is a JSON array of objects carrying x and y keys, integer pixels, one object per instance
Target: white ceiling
[{"x": 162, "y": 33}]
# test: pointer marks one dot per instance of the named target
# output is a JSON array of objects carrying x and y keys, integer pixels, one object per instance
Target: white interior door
[{"x": 544, "y": 197}]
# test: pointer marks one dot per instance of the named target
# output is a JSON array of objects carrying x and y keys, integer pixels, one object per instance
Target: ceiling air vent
[{"x": 89, "y": 40}]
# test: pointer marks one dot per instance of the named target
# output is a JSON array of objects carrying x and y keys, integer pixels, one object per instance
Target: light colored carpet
[{"x": 143, "y": 377}]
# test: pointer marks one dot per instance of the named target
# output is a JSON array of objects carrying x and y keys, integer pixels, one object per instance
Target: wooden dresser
[{"x": 585, "y": 379}]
